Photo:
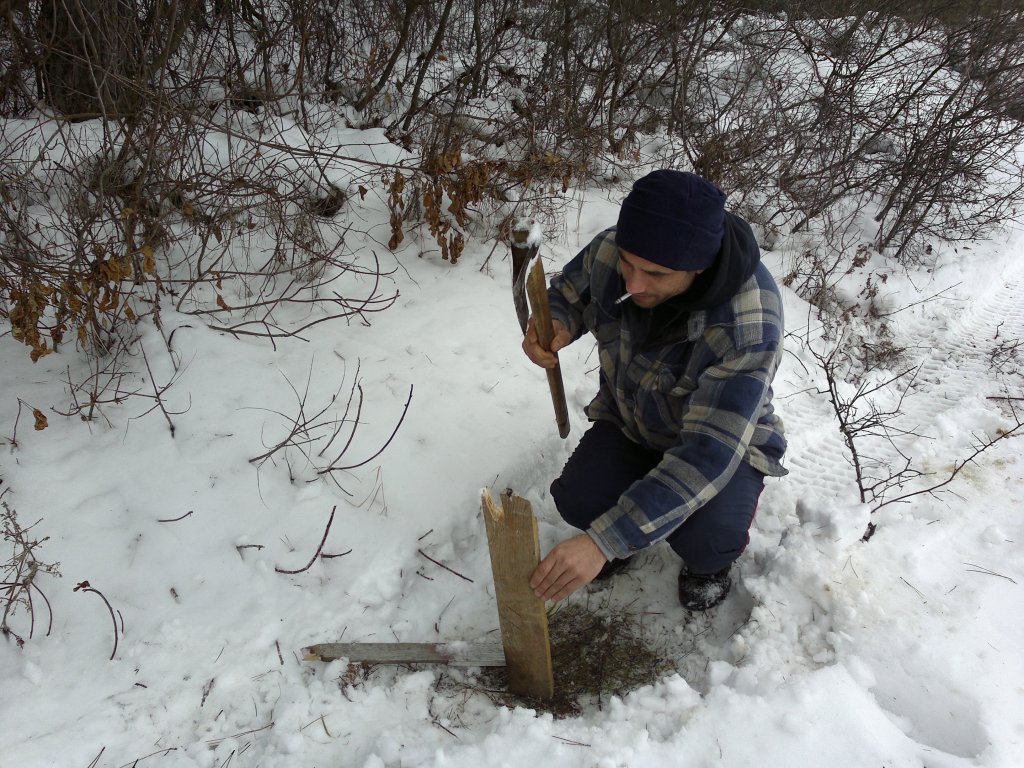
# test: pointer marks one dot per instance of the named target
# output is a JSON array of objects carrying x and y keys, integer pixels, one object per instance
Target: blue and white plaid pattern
[{"x": 700, "y": 392}]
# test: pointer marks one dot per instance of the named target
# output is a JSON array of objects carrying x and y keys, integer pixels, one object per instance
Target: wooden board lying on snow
[{"x": 452, "y": 654}]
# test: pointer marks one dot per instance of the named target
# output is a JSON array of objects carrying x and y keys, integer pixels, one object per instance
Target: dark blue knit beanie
[{"x": 673, "y": 218}]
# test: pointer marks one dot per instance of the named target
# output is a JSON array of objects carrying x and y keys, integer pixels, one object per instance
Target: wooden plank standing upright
[{"x": 515, "y": 553}]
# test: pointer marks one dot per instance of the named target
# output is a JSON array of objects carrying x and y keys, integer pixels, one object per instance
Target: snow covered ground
[{"x": 900, "y": 652}]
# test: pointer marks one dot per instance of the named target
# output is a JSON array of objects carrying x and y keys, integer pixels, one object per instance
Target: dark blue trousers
[{"x": 606, "y": 463}]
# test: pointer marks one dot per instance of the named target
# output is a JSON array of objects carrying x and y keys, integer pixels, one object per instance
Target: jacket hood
[{"x": 736, "y": 262}]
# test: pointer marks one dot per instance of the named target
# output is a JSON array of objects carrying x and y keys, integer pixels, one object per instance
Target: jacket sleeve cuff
[
  {"x": 611, "y": 544},
  {"x": 595, "y": 537}
]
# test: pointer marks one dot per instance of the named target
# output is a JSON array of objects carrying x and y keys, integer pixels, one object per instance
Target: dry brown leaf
[{"x": 148, "y": 260}]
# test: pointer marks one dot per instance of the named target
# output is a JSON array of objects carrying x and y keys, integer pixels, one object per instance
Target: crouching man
[{"x": 688, "y": 324}]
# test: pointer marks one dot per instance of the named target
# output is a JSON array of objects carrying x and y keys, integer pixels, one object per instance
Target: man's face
[{"x": 651, "y": 283}]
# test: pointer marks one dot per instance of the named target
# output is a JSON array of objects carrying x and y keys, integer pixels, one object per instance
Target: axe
[{"x": 531, "y": 281}]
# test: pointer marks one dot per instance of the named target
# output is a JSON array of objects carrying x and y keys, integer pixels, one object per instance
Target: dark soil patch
[{"x": 593, "y": 657}]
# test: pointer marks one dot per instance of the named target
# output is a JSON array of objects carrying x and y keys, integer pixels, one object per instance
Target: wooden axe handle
[{"x": 536, "y": 287}]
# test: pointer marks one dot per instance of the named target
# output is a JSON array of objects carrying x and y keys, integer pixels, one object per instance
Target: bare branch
[
  {"x": 84, "y": 586},
  {"x": 319, "y": 548}
]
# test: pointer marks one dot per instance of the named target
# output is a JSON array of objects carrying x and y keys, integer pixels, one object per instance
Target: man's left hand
[{"x": 570, "y": 565}]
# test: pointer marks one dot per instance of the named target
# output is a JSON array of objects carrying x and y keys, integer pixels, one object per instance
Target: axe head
[{"x": 522, "y": 254}]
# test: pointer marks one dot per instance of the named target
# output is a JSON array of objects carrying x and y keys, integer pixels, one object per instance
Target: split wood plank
[
  {"x": 515, "y": 553},
  {"x": 452, "y": 654}
]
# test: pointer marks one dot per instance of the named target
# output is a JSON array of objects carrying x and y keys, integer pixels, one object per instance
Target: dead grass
[{"x": 594, "y": 656}]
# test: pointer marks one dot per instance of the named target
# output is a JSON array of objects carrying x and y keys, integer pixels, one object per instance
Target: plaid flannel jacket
[{"x": 701, "y": 393}]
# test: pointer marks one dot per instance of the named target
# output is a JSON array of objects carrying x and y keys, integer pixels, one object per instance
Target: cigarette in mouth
[{"x": 623, "y": 297}]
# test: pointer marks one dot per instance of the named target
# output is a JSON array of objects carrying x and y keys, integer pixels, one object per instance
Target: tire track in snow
[
  {"x": 947, "y": 403},
  {"x": 816, "y": 457},
  {"x": 956, "y": 372},
  {"x": 959, "y": 364}
]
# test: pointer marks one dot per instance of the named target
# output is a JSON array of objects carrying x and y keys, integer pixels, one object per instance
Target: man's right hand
[{"x": 540, "y": 356}]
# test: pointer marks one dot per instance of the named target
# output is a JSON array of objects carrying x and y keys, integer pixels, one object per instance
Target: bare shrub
[
  {"x": 95, "y": 57},
  {"x": 204, "y": 188},
  {"x": 20, "y": 577},
  {"x": 913, "y": 106},
  {"x": 870, "y": 411},
  {"x": 106, "y": 223},
  {"x": 316, "y": 442}
]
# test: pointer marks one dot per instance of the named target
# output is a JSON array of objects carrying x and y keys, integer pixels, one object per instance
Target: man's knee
[
  {"x": 709, "y": 549},
  {"x": 718, "y": 532},
  {"x": 603, "y": 466},
  {"x": 572, "y": 505}
]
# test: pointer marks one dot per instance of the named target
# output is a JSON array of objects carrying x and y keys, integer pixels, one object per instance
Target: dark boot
[{"x": 701, "y": 591}]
